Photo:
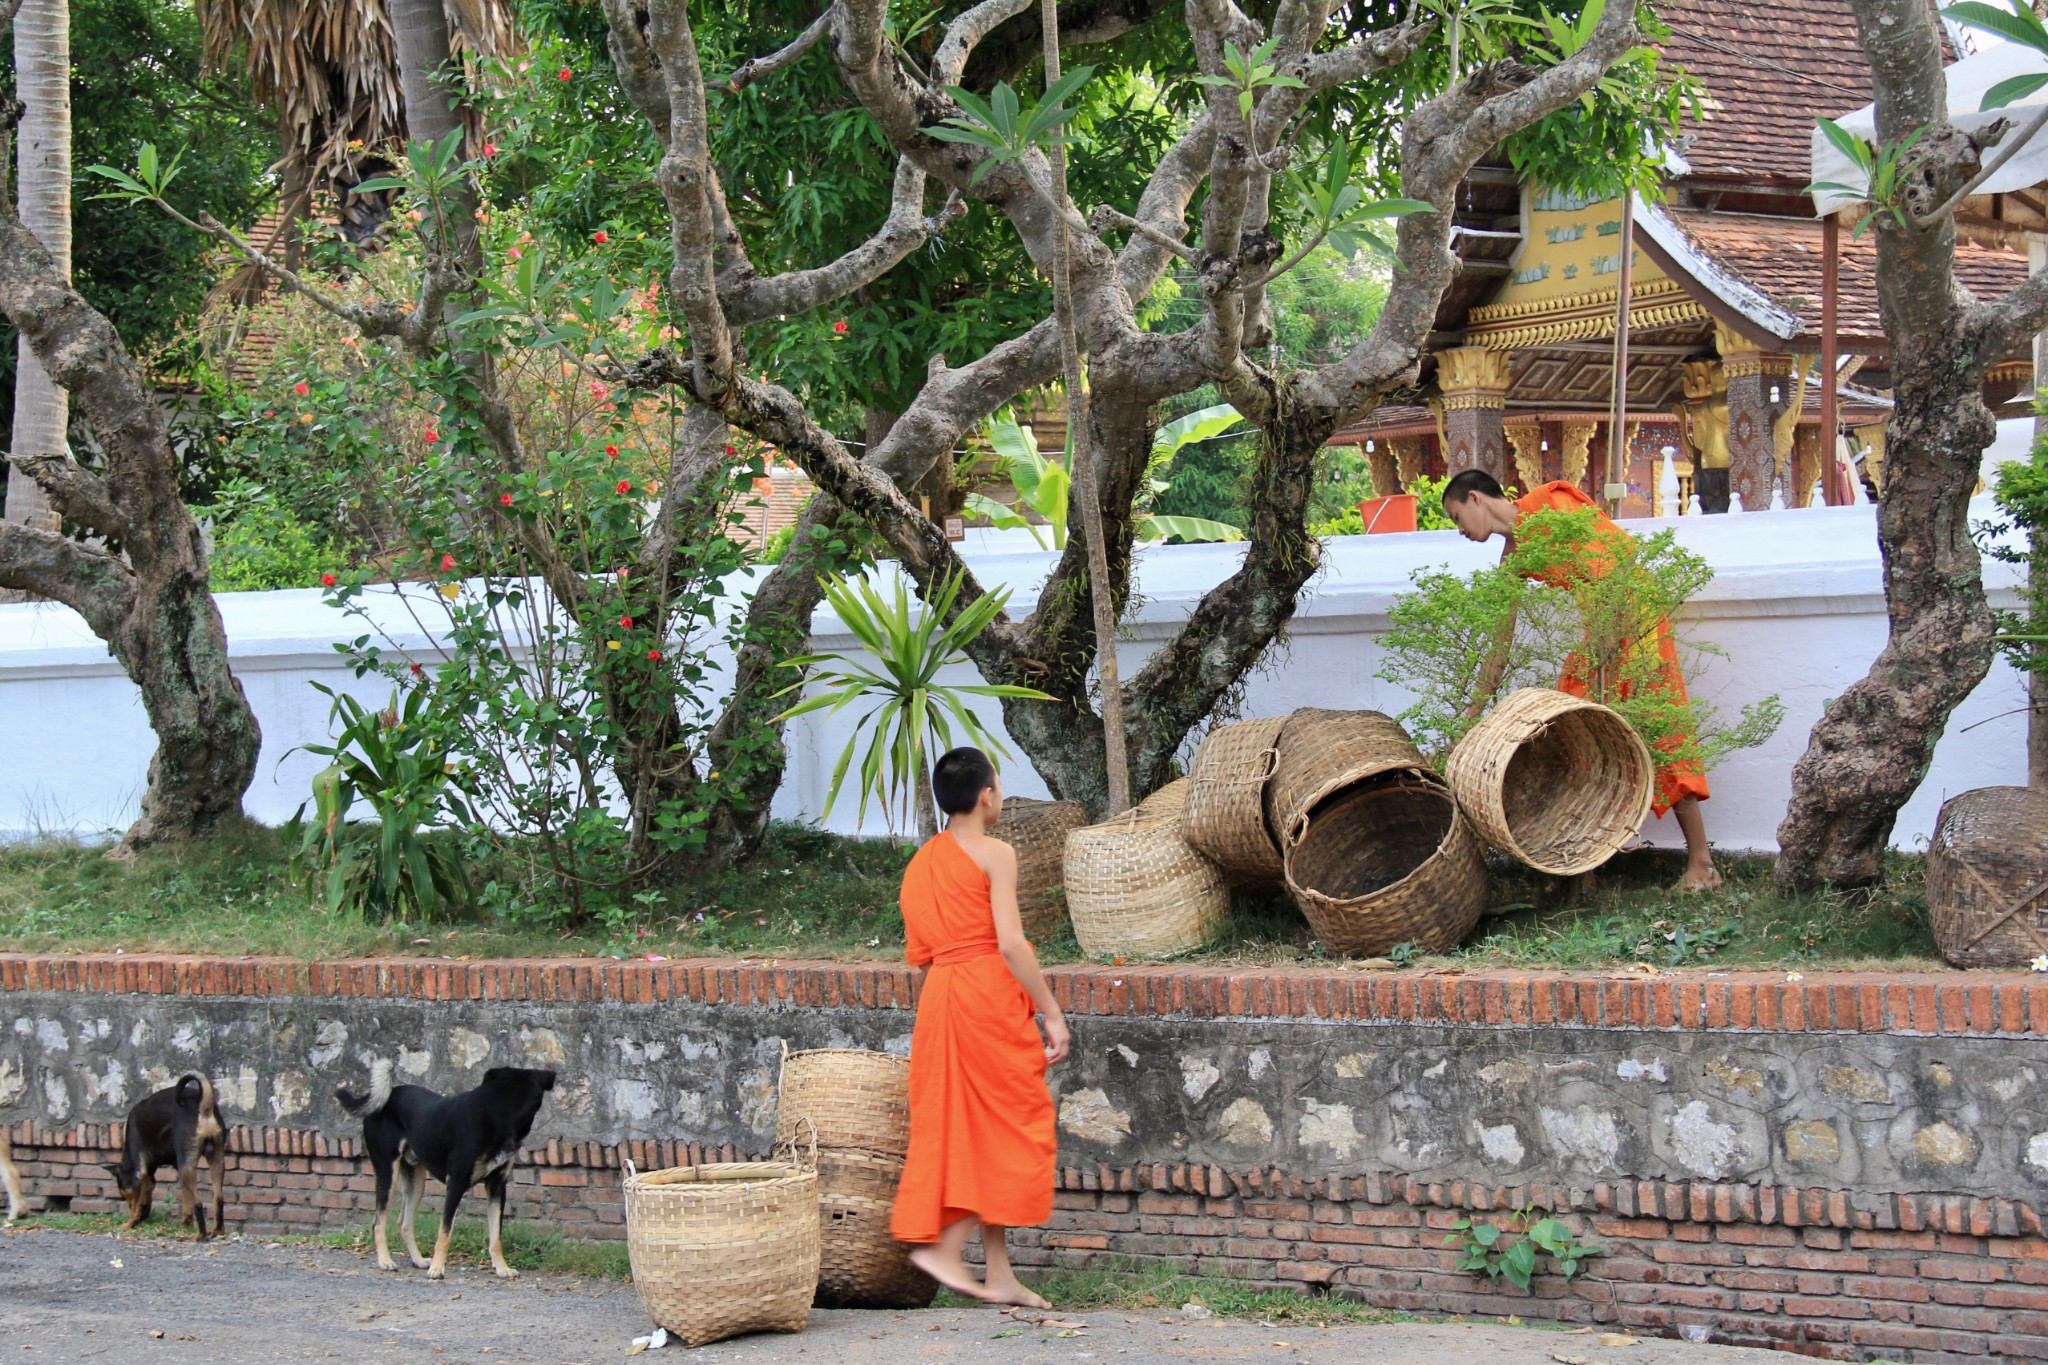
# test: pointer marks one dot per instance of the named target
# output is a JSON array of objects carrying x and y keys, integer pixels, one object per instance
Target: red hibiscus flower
[
  {"x": 504, "y": 499},
  {"x": 732, "y": 450},
  {"x": 655, "y": 655},
  {"x": 447, "y": 563},
  {"x": 327, "y": 580},
  {"x": 490, "y": 150},
  {"x": 625, "y": 485},
  {"x": 564, "y": 74},
  {"x": 611, "y": 452},
  {"x": 839, "y": 328},
  {"x": 302, "y": 388},
  {"x": 430, "y": 435},
  {"x": 599, "y": 237},
  {"x": 626, "y": 621}
]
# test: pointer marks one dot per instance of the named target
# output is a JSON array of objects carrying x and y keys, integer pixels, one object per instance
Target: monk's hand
[{"x": 1058, "y": 1041}]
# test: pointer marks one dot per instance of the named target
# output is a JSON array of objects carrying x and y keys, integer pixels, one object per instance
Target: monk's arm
[{"x": 1017, "y": 951}]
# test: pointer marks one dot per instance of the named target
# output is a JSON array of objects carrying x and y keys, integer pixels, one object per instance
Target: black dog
[
  {"x": 177, "y": 1126},
  {"x": 459, "y": 1140}
]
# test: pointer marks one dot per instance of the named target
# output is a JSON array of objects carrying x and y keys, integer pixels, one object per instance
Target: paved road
[{"x": 63, "y": 1298}]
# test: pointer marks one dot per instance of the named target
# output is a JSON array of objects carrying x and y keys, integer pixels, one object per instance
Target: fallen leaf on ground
[{"x": 1616, "y": 1339}]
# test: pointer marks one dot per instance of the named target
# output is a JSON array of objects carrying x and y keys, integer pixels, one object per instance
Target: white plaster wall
[{"x": 1796, "y": 608}]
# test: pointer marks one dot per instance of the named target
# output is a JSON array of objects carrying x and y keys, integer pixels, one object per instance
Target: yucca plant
[
  {"x": 909, "y": 716},
  {"x": 391, "y": 759}
]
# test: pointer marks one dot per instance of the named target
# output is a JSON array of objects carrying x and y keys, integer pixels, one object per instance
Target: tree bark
[
  {"x": 1871, "y": 749},
  {"x": 42, "y": 64}
]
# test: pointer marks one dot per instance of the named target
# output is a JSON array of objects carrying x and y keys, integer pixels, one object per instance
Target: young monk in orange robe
[
  {"x": 1475, "y": 500},
  {"x": 982, "y": 1138}
]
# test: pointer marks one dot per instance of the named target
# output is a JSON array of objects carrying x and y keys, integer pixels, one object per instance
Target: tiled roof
[
  {"x": 776, "y": 502},
  {"x": 1781, "y": 257},
  {"x": 1769, "y": 67}
]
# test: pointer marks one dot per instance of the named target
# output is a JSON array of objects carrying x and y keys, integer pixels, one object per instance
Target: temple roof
[{"x": 1767, "y": 66}]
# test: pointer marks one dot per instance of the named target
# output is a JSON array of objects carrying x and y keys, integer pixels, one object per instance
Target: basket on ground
[
  {"x": 849, "y": 1099},
  {"x": 1554, "y": 780},
  {"x": 1226, "y": 818},
  {"x": 861, "y": 1265},
  {"x": 1386, "y": 861},
  {"x": 1038, "y": 831},
  {"x": 1135, "y": 887},
  {"x": 1987, "y": 877},
  {"x": 1321, "y": 752},
  {"x": 723, "y": 1249}
]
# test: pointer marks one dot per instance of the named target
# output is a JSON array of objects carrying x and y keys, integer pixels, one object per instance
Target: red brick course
[
  {"x": 1989, "y": 1003},
  {"x": 1836, "y": 1274}
]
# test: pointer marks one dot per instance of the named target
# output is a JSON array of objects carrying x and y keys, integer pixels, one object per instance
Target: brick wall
[{"x": 1913, "y": 1264}]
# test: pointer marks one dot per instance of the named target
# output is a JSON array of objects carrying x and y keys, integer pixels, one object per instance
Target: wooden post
[
  {"x": 1617, "y": 433},
  {"x": 1833, "y": 485}
]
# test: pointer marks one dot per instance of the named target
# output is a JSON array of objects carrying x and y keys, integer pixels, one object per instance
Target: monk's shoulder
[{"x": 991, "y": 855}]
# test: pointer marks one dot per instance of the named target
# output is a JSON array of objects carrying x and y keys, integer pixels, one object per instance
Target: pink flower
[
  {"x": 447, "y": 563},
  {"x": 504, "y": 499},
  {"x": 490, "y": 150},
  {"x": 514, "y": 253},
  {"x": 565, "y": 74},
  {"x": 302, "y": 388},
  {"x": 597, "y": 389},
  {"x": 599, "y": 237},
  {"x": 327, "y": 580},
  {"x": 625, "y": 486}
]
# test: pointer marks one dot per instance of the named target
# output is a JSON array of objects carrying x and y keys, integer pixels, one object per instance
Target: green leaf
[
  {"x": 382, "y": 182},
  {"x": 2013, "y": 88},
  {"x": 1518, "y": 1263},
  {"x": 1189, "y": 529},
  {"x": 1847, "y": 143},
  {"x": 2016, "y": 25},
  {"x": 1199, "y": 425}
]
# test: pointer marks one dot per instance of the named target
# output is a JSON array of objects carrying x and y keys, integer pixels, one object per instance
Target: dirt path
[{"x": 68, "y": 1296}]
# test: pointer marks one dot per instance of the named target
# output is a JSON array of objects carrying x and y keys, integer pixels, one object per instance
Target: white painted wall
[{"x": 1796, "y": 607}]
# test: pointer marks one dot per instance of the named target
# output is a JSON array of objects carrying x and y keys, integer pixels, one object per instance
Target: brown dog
[
  {"x": 9, "y": 1177},
  {"x": 177, "y": 1126}
]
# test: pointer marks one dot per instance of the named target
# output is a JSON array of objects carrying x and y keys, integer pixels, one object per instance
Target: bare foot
[
  {"x": 1010, "y": 1290},
  {"x": 949, "y": 1271},
  {"x": 1700, "y": 877}
]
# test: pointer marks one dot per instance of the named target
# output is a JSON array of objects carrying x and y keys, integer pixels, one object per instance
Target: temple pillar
[
  {"x": 1525, "y": 440},
  {"x": 1474, "y": 382},
  {"x": 1380, "y": 458},
  {"x": 1753, "y": 376},
  {"x": 1705, "y": 430},
  {"x": 1807, "y": 469}
]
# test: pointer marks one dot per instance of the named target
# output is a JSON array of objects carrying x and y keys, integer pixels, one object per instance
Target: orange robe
[
  {"x": 982, "y": 1137},
  {"x": 1675, "y": 781}
]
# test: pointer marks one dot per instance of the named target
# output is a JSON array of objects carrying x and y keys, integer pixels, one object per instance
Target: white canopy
[{"x": 1968, "y": 79}]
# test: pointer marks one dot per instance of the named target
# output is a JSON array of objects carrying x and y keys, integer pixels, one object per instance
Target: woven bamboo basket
[
  {"x": 852, "y": 1100},
  {"x": 1321, "y": 752},
  {"x": 1038, "y": 831},
  {"x": 1135, "y": 888},
  {"x": 861, "y": 1265},
  {"x": 722, "y": 1249},
  {"x": 1226, "y": 820},
  {"x": 1987, "y": 877},
  {"x": 1554, "y": 780},
  {"x": 1386, "y": 861}
]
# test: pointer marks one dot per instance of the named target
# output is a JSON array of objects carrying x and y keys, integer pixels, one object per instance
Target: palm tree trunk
[{"x": 42, "y": 64}]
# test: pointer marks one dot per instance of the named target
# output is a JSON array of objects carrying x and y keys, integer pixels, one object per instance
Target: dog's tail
[
  {"x": 195, "y": 1092},
  {"x": 362, "y": 1106}
]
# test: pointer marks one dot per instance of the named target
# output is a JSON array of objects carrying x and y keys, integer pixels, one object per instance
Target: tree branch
[
  {"x": 91, "y": 582},
  {"x": 761, "y": 68},
  {"x": 81, "y": 495}
]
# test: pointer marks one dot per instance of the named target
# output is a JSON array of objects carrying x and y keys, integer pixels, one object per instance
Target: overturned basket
[
  {"x": 1037, "y": 831},
  {"x": 1321, "y": 752},
  {"x": 1386, "y": 861},
  {"x": 849, "y": 1099},
  {"x": 1226, "y": 813},
  {"x": 1554, "y": 780},
  {"x": 1987, "y": 877},
  {"x": 723, "y": 1249},
  {"x": 1135, "y": 887}
]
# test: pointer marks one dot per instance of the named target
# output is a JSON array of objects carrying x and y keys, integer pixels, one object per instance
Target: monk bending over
[
  {"x": 1475, "y": 500},
  {"x": 982, "y": 1138}
]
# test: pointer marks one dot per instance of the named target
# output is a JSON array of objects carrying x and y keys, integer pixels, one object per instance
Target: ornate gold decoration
[
  {"x": 1872, "y": 436},
  {"x": 1703, "y": 379},
  {"x": 1742, "y": 358},
  {"x": 1473, "y": 377},
  {"x": 1653, "y": 303},
  {"x": 1786, "y": 426},
  {"x": 2007, "y": 371},
  {"x": 1575, "y": 440},
  {"x": 1385, "y": 478},
  {"x": 1527, "y": 440},
  {"x": 1408, "y": 462}
]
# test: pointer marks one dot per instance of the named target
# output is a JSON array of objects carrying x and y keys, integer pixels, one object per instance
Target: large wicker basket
[
  {"x": 719, "y": 1250},
  {"x": 861, "y": 1265},
  {"x": 848, "y": 1099},
  {"x": 1387, "y": 861},
  {"x": 1135, "y": 888},
  {"x": 1324, "y": 751},
  {"x": 1038, "y": 831},
  {"x": 1226, "y": 819},
  {"x": 1557, "y": 781},
  {"x": 1987, "y": 877}
]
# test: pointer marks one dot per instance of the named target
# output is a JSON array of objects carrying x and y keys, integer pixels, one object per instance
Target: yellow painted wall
[{"x": 1569, "y": 246}]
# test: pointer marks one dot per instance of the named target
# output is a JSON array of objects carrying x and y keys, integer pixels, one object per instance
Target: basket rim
[
  {"x": 840, "y": 1052},
  {"x": 719, "y": 1175},
  {"x": 1450, "y": 833}
]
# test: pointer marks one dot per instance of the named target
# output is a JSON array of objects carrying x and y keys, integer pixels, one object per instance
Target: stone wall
[{"x": 1851, "y": 1165}]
